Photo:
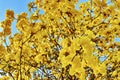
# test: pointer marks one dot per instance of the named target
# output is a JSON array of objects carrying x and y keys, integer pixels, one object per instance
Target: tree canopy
[{"x": 63, "y": 43}]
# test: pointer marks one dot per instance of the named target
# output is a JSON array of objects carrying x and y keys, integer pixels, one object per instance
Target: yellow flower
[
  {"x": 32, "y": 69},
  {"x": 100, "y": 3},
  {"x": 22, "y": 16},
  {"x": 17, "y": 57},
  {"x": 90, "y": 34},
  {"x": 6, "y": 23},
  {"x": 66, "y": 55},
  {"x": 101, "y": 68},
  {"x": 30, "y": 5},
  {"x": 116, "y": 3},
  {"x": 10, "y": 14},
  {"x": 75, "y": 65},
  {"x": 7, "y": 57},
  {"x": 5, "y": 78},
  {"x": 2, "y": 49},
  {"x": 87, "y": 44},
  {"x": 7, "y": 31},
  {"x": 78, "y": 69},
  {"x": 66, "y": 42},
  {"x": 38, "y": 58}
]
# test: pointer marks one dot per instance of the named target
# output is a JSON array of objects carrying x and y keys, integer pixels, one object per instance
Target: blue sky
[
  {"x": 21, "y": 6},
  {"x": 17, "y": 5}
]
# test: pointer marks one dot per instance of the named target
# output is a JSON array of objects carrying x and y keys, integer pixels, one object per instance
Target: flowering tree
[{"x": 63, "y": 43}]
